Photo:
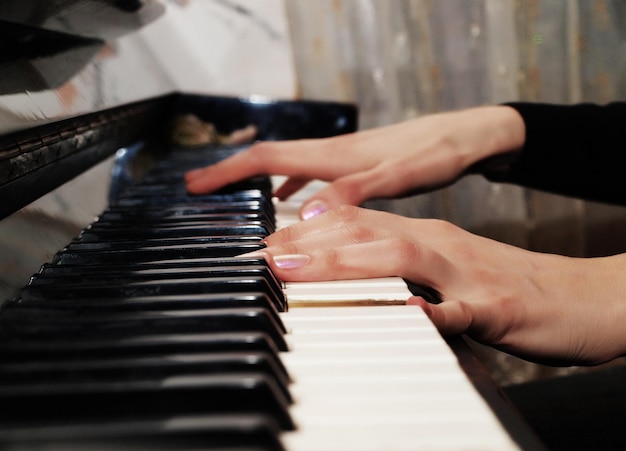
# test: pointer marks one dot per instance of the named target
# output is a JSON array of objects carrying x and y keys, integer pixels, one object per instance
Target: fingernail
[
  {"x": 313, "y": 208},
  {"x": 291, "y": 261}
]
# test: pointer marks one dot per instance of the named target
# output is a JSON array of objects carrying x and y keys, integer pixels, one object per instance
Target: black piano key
[
  {"x": 113, "y": 273},
  {"x": 157, "y": 367},
  {"x": 138, "y": 398},
  {"x": 214, "y": 232},
  {"x": 113, "y": 276},
  {"x": 129, "y": 199},
  {"x": 28, "y": 349},
  {"x": 182, "y": 222},
  {"x": 182, "y": 433},
  {"x": 171, "y": 216},
  {"x": 153, "y": 286},
  {"x": 146, "y": 368},
  {"x": 169, "y": 284},
  {"x": 54, "y": 324},
  {"x": 194, "y": 206},
  {"x": 159, "y": 242},
  {"x": 177, "y": 265},
  {"x": 104, "y": 224},
  {"x": 157, "y": 212},
  {"x": 158, "y": 189},
  {"x": 163, "y": 252},
  {"x": 190, "y": 265},
  {"x": 148, "y": 217},
  {"x": 176, "y": 302}
]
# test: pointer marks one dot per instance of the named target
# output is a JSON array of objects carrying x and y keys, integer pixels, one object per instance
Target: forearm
[
  {"x": 606, "y": 287},
  {"x": 577, "y": 150},
  {"x": 489, "y": 138}
]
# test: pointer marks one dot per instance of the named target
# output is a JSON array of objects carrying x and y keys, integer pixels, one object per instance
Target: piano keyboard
[{"x": 147, "y": 332}]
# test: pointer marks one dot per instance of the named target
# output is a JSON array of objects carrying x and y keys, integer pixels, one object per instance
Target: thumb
[{"x": 449, "y": 317}]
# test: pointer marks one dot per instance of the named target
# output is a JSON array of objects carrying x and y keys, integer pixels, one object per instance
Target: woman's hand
[
  {"x": 541, "y": 307},
  {"x": 401, "y": 159}
]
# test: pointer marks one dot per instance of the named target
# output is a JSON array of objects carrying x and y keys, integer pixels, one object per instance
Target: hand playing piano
[
  {"x": 401, "y": 159},
  {"x": 541, "y": 307}
]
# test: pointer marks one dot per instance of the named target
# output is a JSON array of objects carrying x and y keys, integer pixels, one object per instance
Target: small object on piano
[{"x": 189, "y": 130}]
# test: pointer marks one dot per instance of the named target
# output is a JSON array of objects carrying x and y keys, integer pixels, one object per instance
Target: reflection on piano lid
[
  {"x": 97, "y": 19},
  {"x": 43, "y": 45},
  {"x": 40, "y": 59}
]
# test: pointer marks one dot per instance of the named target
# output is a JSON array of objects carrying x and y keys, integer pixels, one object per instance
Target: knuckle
[
  {"x": 346, "y": 214},
  {"x": 260, "y": 147},
  {"x": 359, "y": 234},
  {"x": 332, "y": 259},
  {"x": 441, "y": 226},
  {"x": 282, "y": 236},
  {"x": 486, "y": 277},
  {"x": 448, "y": 148},
  {"x": 404, "y": 252},
  {"x": 259, "y": 153},
  {"x": 285, "y": 249},
  {"x": 290, "y": 248},
  {"x": 352, "y": 191}
]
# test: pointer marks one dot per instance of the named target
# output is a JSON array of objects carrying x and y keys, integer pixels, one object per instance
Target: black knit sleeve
[{"x": 576, "y": 150}]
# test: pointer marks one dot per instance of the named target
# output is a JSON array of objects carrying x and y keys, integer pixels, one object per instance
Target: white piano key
[
  {"x": 385, "y": 290},
  {"x": 372, "y": 388}
]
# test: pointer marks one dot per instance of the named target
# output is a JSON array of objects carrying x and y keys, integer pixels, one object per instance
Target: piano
[{"x": 147, "y": 331}]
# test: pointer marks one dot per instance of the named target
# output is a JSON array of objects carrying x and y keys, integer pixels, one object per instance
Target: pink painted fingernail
[
  {"x": 313, "y": 208},
  {"x": 291, "y": 261}
]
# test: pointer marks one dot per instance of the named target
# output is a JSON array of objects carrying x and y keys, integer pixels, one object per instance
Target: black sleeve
[{"x": 576, "y": 150}]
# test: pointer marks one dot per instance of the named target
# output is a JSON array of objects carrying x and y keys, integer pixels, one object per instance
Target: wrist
[{"x": 498, "y": 137}]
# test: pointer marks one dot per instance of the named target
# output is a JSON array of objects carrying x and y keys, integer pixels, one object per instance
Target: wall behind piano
[
  {"x": 219, "y": 47},
  {"x": 404, "y": 58}
]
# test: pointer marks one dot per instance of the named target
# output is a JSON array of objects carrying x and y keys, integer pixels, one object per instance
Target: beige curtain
[{"x": 403, "y": 58}]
